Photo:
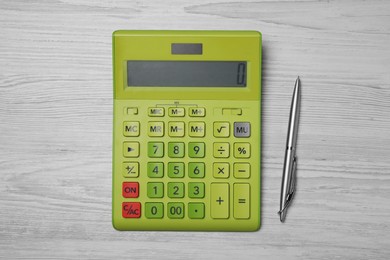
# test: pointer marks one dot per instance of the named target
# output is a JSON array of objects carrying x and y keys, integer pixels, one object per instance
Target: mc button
[{"x": 131, "y": 128}]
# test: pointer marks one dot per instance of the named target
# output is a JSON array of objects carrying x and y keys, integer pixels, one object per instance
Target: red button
[
  {"x": 131, "y": 209},
  {"x": 130, "y": 189}
]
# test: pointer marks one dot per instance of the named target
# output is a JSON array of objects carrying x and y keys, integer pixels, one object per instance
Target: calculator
[{"x": 186, "y": 130}]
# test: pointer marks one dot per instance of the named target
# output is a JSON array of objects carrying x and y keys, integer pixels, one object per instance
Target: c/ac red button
[
  {"x": 130, "y": 189},
  {"x": 131, "y": 209}
]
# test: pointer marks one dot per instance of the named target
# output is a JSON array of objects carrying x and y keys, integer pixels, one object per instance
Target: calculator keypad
[{"x": 177, "y": 186}]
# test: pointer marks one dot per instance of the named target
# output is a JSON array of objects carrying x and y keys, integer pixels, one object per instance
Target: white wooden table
[{"x": 56, "y": 121}]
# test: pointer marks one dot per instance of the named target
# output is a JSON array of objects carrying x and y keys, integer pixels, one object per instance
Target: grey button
[{"x": 242, "y": 129}]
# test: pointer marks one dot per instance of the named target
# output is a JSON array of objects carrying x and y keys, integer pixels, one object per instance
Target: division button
[
  {"x": 221, "y": 150},
  {"x": 219, "y": 194}
]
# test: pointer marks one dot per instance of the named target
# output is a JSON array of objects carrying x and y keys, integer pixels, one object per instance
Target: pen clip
[{"x": 291, "y": 190}]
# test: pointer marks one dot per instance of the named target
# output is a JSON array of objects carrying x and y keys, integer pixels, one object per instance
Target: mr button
[{"x": 242, "y": 129}]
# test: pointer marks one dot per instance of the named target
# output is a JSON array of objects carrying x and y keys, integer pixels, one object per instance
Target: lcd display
[{"x": 186, "y": 73}]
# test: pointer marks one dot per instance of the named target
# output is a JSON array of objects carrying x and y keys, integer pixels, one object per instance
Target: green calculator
[{"x": 187, "y": 130}]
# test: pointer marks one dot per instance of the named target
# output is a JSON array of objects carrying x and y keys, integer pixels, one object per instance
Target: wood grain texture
[{"x": 56, "y": 121}]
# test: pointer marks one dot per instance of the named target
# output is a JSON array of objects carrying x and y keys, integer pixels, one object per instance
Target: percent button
[{"x": 242, "y": 150}]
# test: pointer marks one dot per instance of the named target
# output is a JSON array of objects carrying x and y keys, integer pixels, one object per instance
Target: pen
[{"x": 290, "y": 159}]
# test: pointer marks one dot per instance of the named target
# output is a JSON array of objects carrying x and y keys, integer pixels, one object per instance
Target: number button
[
  {"x": 196, "y": 190},
  {"x": 221, "y": 170},
  {"x": 155, "y": 189},
  {"x": 221, "y": 150},
  {"x": 131, "y": 128},
  {"x": 242, "y": 170},
  {"x": 154, "y": 210},
  {"x": 196, "y": 129},
  {"x": 155, "y": 170},
  {"x": 176, "y": 210},
  {"x": 195, "y": 210},
  {"x": 155, "y": 149},
  {"x": 196, "y": 150},
  {"x": 176, "y": 129},
  {"x": 176, "y": 170},
  {"x": 176, "y": 150},
  {"x": 175, "y": 189},
  {"x": 130, "y": 169},
  {"x": 155, "y": 129},
  {"x": 242, "y": 150},
  {"x": 221, "y": 129},
  {"x": 196, "y": 170}
]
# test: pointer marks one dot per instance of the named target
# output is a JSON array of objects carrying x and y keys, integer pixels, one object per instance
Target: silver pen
[{"x": 290, "y": 159}]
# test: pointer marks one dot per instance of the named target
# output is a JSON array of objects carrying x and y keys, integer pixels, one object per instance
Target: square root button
[{"x": 242, "y": 129}]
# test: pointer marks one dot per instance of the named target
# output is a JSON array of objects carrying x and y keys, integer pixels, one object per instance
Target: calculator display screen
[{"x": 186, "y": 73}]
